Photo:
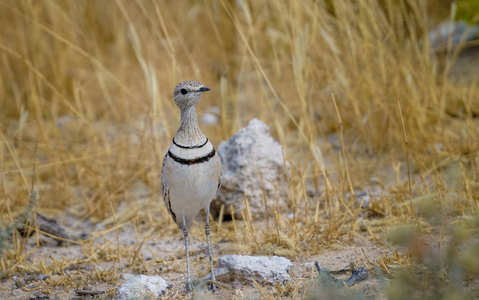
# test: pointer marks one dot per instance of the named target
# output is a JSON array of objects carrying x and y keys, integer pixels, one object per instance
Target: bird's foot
[
  {"x": 212, "y": 287},
  {"x": 189, "y": 286}
]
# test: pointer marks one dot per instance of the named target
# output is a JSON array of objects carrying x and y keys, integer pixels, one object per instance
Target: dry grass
[{"x": 86, "y": 98}]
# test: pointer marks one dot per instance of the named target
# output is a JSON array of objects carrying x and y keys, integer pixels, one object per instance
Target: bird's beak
[{"x": 204, "y": 89}]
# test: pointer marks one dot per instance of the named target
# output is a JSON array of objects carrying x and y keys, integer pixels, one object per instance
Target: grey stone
[
  {"x": 43, "y": 277},
  {"x": 457, "y": 31},
  {"x": 364, "y": 198},
  {"x": 253, "y": 163},
  {"x": 272, "y": 270},
  {"x": 142, "y": 287}
]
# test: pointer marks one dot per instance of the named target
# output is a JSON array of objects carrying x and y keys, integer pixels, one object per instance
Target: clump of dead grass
[{"x": 88, "y": 85}]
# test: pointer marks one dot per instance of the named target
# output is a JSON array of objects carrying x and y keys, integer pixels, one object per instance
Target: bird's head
[{"x": 188, "y": 93}]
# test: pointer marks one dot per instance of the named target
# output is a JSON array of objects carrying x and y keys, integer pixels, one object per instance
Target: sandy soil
[{"x": 94, "y": 266}]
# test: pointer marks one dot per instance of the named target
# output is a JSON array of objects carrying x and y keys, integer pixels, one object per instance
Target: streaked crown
[{"x": 188, "y": 93}]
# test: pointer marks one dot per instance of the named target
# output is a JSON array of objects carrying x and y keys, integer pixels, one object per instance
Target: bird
[{"x": 191, "y": 171}]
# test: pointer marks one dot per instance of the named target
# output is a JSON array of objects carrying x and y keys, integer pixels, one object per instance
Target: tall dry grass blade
[
  {"x": 16, "y": 159},
  {"x": 407, "y": 161},
  {"x": 117, "y": 233},
  {"x": 77, "y": 49},
  {"x": 233, "y": 240},
  {"x": 343, "y": 149},
  {"x": 42, "y": 78},
  {"x": 262, "y": 71}
]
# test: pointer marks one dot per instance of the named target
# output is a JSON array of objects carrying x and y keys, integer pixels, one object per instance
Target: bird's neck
[{"x": 189, "y": 132}]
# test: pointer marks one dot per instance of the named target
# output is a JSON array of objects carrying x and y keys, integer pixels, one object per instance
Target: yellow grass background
[{"x": 86, "y": 98}]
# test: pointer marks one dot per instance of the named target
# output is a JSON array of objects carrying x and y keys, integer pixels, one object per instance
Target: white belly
[{"x": 191, "y": 188}]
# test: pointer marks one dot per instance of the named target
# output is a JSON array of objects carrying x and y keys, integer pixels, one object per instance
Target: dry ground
[
  {"x": 93, "y": 263},
  {"x": 86, "y": 116}
]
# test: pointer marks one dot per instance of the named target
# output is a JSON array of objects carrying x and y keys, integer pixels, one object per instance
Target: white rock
[
  {"x": 456, "y": 31},
  {"x": 211, "y": 116},
  {"x": 142, "y": 287},
  {"x": 272, "y": 270},
  {"x": 252, "y": 161}
]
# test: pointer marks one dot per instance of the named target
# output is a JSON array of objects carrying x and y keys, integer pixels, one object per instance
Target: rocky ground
[{"x": 78, "y": 269}]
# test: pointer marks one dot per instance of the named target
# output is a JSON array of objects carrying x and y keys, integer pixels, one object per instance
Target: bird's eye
[{"x": 183, "y": 91}]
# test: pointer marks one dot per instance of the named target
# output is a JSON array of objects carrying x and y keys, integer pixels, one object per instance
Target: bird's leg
[
  {"x": 207, "y": 232},
  {"x": 189, "y": 284}
]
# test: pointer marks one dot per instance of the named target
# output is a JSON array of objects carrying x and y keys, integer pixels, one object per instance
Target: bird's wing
[
  {"x": 165, "y": 191},
  {"x": 219, "y": 172},
  {"x": 219, "y": 183}
]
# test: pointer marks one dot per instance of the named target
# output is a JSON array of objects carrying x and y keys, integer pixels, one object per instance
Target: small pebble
[
  {"x": 362, "y": 225},
  {"x": 19, "y": 282},
  {"x": 148, "y": 256},
  {"x": 19, "y": 294},
  {"x": 30, "y": 278},
  {"x": 38, "y": 296},
  {"x": 31, "y": 286},
  {"x": 43, "y": 277}
]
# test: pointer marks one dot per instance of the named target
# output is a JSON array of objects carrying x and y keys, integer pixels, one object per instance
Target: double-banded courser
[{"x": 191, "y": 173}]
